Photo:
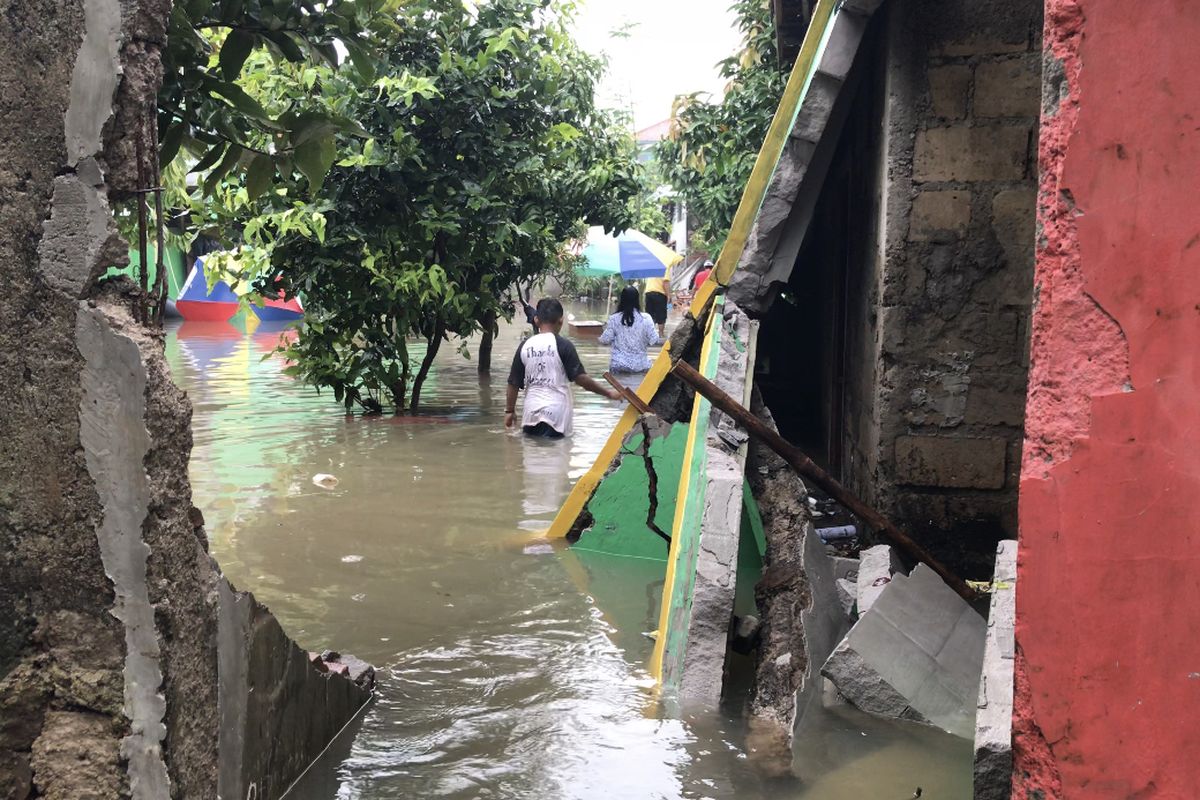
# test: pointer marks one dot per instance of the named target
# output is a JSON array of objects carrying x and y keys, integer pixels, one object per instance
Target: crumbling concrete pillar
[
  {"x": 993, "y": 715},
  {"x": 802, "y": 617},
  {"x": 109, "y": 668}
]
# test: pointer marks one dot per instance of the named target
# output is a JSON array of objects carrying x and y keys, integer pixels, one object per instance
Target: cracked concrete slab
[{"x": 915, "y": 655}]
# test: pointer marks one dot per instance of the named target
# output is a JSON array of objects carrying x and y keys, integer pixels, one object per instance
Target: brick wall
[{"x": 961, "y": 101}]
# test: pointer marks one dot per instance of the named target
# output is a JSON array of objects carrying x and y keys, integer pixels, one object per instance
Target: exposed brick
[
  {"x": 959, "y": 153},
  {"x": 1013, "y": 218},
  {"x": 948, "y": 89},
  {"x": 951, "y": 462},
  {"x": 991, "y": 336},
  {"x": 940, "y": 216},
  {"x": 996, "y": 405},
  {"x": 1009, "y": 88},
  {"x": 981, "y": 45}
]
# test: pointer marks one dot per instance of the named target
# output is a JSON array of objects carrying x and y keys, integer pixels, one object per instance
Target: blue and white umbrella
[{"x": 630, "y": 254}]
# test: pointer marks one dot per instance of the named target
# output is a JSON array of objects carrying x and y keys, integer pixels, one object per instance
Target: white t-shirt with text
[{"x": 545, "y": 366}]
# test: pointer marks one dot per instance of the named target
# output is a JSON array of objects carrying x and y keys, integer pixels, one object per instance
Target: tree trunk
[
  {"x": 485, "y": 344},
  {"x": 435, "y": 342},
  {"x": 399, "y": 393}
]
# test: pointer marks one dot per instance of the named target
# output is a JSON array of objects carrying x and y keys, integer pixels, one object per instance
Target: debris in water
[
  {"x": 324, "y": 480},
  {"x": 351, "y": 559},
  {"x": 837, "y": 532},
  {"x": 745, "y": 634}
]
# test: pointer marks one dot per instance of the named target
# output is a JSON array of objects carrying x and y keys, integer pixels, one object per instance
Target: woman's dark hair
[{"x": 629, "y": 304}]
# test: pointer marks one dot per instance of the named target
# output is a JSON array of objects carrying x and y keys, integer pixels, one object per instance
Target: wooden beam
[
  {"x": 806, "y": 468},
  {"x": 629, "y": 395}
]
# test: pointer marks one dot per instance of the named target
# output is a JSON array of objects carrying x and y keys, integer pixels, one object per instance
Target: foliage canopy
[
  {"x": 710, "y": 151},
  {"x": 403, "y": 191}
]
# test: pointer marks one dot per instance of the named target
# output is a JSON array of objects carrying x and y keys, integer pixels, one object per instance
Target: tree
[
  {"x": 711, "y": 148},
  {"x": 204, "y": 108},
  {"x": 473, "y": 157}
]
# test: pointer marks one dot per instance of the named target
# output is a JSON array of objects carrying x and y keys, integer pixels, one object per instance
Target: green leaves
[
  {"x": 710, "y": 152},
  {"x": 361, "y": 58},
  {"x": 233, "y": 154},
  {"x": 406, "y": 87},
  {"x": 238, "y": 98},
  {"x": 468, "y": 149},
  {"x": 314, "y": 158},
  {"x": 259, "y": 175},
  {"x": 210, "y": 158},
  {"x": 171, "y": 142},
  {"x": 234, "y": 51}
]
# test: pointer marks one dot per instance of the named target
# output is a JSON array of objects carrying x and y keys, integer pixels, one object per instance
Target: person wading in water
[
  {"x": 545, "y": 366},
  {"x": 630, "y": 332}
]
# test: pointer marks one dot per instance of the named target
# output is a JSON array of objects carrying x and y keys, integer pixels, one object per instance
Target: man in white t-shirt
[{"x": 545, "y": 366}]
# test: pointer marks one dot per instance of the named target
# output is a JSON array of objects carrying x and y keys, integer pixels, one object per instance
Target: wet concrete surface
[{"x": 506, "y": 668}]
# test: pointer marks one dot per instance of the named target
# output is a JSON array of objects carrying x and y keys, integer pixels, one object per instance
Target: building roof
[{"x": 655, "y": 132}]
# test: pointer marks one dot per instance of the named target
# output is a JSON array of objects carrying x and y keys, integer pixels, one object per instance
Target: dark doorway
[{"x": 816, "y": 347}]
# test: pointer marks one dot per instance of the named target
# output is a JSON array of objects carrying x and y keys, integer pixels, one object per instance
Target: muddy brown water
[{"x": 507, "y": 669}]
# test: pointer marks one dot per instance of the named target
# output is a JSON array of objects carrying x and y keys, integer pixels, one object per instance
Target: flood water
[{"x": 507, "y": 669}]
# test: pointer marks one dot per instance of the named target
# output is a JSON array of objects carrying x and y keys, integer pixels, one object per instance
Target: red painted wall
[{"x": 1108, "y": 605}]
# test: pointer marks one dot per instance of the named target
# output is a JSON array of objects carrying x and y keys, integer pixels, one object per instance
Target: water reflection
[
  {"x": 506, "y": 670},
  {"x": 545, "y": 465}
]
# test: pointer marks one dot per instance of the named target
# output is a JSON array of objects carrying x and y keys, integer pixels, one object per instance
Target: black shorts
[
  {"x": 543, "y": 429},
  {"x": 656, "y": 307}
]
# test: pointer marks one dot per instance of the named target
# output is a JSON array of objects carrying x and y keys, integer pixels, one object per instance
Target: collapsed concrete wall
[
  {"x": 110, "y": 682},
  {"x": 897, "y": 241},
  {"x": 725, "y": 443}
]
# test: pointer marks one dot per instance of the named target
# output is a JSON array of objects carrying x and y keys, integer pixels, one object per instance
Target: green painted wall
[
  {"x": 678, "y": 599},
  {"x": 752, "y": 546},
  {"x": 172, "y": 261},
  {"x": 621, "y": 503}
]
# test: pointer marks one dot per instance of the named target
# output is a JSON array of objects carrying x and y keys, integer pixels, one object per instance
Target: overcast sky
[{"x": 673, "y": 49}]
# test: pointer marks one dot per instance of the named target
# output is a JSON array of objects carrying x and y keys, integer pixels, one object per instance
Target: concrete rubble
[
  {"x": 915, "y": 655},
  {"x": 994, "y": 712},
  {"x": 876, "y": 566},
  {"x": 847, "y": 594}
]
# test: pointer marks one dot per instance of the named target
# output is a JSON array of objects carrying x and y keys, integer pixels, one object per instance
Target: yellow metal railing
[{"x": 743, "y": 220}]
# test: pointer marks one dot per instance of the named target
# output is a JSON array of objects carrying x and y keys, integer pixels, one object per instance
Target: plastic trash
[
  {"x": 325, "y": 480},
  {"x": 837, "y": 532}
]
